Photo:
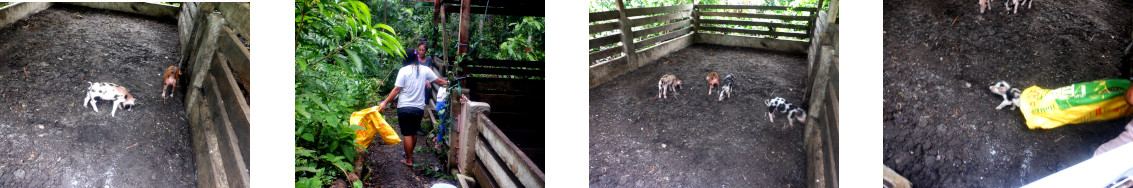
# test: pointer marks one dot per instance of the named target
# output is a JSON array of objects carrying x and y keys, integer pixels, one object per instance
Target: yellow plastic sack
[
  {"x": 1077, "y": 103},
  {"x": 372, "y": 120}
]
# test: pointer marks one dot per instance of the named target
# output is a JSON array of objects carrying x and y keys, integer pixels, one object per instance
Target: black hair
[{"x": 423, "y": 42}]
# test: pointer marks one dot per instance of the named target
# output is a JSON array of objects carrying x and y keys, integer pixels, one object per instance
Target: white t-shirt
[{"x": 412, "y": 80}]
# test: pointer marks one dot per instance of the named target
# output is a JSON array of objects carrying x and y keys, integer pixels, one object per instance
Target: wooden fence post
[
  {"x": 627, "y": 35},
  {"x": 695, "y": 18},
  {"x": 469, "y": 119},
  {"x": 465, "y": 17}
]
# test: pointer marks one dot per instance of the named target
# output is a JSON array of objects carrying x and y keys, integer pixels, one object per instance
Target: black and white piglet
[
  {"x": 1010, "y": 95},
  {"x": 778, "y": 104},
  {"x": 111, "y": 92},
  {"x": 726, "y": 87}
]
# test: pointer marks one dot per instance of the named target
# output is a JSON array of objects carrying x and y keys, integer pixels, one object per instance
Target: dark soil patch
[
  {"x": 50, "y": 140},
  {"x": 690, "y": 139},
  {"x": 941, "y": 128},
  {"x": 386, "y": 169}
]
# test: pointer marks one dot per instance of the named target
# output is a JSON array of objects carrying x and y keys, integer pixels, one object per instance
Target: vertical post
[
  {"x": 444, "y": 34},
  {"x": 833, "y": 13},
  {"x": 627, "y": 35},
  {"x": 695, "y": 17},
  {"x": 465, "y": 17},
  {"x": 437, "y": 10}
]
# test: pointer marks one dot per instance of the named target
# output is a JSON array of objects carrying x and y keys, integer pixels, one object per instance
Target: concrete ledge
[
  {"x": 648, "y": 55},
  {"x": 604, "y": 72},
  {"x": 148, "y": 9},
  {"x": 16, "y": 11},
  {"x": 753, "y": 42}
]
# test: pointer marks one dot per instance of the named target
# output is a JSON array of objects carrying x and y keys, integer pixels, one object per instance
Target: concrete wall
[
  {"x": 14, "y": 12},
  {"x": 606, "y": 71},
  {"x": 148, "y": 9}
]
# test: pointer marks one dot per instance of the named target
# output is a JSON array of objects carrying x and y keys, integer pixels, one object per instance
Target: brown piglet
[{"x": 170, "y": 79}]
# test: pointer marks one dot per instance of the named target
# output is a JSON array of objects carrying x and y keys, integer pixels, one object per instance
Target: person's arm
[
  {"x": 392, "y": 94},
  {"x": 441, "y": 81}
]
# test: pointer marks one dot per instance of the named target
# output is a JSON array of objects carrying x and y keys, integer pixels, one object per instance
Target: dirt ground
[
  {"x": 386, "y": 169},
  {"x": 941, "y": 128},
  {"x": 691, "y": 139},
  {"x": 50, "y": 140}
]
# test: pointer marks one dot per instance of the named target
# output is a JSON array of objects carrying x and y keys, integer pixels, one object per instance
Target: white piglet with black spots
[
  {"x": 1010, "y": 95},
  {"x": 111, "y": 92},
  {"x": 794, "y": 112}
]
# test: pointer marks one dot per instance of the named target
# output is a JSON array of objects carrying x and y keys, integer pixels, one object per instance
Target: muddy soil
[
  {"x": 941, "y": 128},
  {"x": 690, "y": 139},
  {"x": 47, "y": 137},
  {"x": 386, "y": 169}
]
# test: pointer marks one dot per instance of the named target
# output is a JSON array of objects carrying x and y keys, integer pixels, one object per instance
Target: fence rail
[
  {"x": 743, "y": 25},
  {"x": 489, "y": 154}
]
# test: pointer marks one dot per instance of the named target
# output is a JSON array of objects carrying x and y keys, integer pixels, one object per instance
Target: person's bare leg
[{"x": 410, "y": 141}]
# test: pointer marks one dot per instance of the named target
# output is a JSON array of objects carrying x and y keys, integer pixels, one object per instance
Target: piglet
[
  {"x": 726, "y": 87},
  {"x": 778, "y": 104},
  {"x": 111, "y": 92},
  {"x": 1010, "y": 95},
  {"x": 170, "y": 79}
]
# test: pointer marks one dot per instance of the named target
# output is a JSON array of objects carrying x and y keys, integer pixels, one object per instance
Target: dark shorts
[{"x": 409, "y": 119}]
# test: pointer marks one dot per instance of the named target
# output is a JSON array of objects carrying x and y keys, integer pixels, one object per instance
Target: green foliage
[
  {"x": 521, "y": 45},
  {"x": 346, "y": 56}
]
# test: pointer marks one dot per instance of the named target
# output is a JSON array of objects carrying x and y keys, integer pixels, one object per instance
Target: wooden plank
[
  {"x": 504, "y": 84},
  {"x": 499, "y": 175},
  {"x": 503, "y": 71},
  {"x": 198, "y": 132},
  {"x": 237, "y": 56},
  {"x": 663, "y": 28},
  {"x": 596, "y": 28},
  {"x": 754, "y": 32},
  {"x": 604, "y": 15},
  {"x": 525, "y": 170},
  {"x": 506, "y": 63},
  {"x": 236, "y": 108},
  {"x": 753, "y": 42},
  {"x": 236, "y": 16},
  {"x": 751, "y": 23},
  {"x": 506, "y": 11},
  {"x": 465, "y": 19},
  {"x": 626, "y": 30},
  {"x": 661, "y": 38},
  {"x": 651, "y": 54},
  {"x": 606, "y": 40},
  {"x": 606, "y": 53},
  {"x": 235, "y": 168},
  {"x": 658, "y": 18},
  {"x": 530, "y": 105},
  {"x": 657, "y": 10},
  {"x": 483, "y": 177},
  {"x": 759, "y": 16},
  {"x": 803, "y": 9}
]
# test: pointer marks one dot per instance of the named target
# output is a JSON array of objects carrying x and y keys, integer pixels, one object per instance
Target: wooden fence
[
  {"x": 625, "y": 39},
  {"x": 486, "y": 152},
  {"x": 820, "y": 137},
  {"x": 215, "y": 60}
]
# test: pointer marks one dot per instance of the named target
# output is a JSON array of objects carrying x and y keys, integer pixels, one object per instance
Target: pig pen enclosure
[
  {"x": 690, "y": 138},
  {"x": 941, "y": 128},
  {"x": 51, "y": 50}
]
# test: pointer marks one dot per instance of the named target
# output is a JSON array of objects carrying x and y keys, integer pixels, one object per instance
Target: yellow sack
[
  {"x": 1077, "y": 103},
  {"x": 372, "y": 120}
]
